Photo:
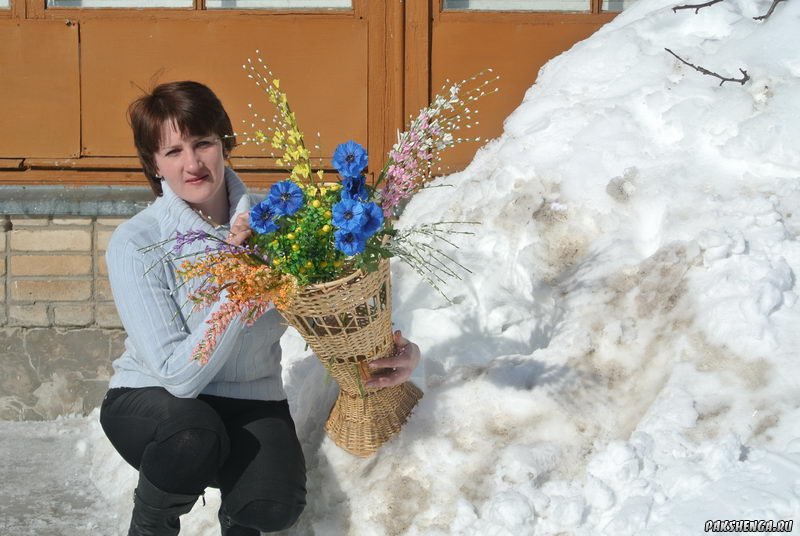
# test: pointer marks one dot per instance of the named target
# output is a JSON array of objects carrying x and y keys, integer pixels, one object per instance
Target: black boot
[
  {"x": 228, "y": 526},
  {"x": 156, "y": 512}
]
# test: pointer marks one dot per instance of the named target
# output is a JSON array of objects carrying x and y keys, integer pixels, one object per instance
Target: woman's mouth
[{"x": 196, "y": 180}]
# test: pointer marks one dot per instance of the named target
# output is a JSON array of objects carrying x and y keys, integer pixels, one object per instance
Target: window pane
[
  {"x": 279, "y": 4},
  {"x": 520, "y": 5},
  {"x": 119, "y": 3},
  {"x": 616, "y": 5},
  {"x": 3, "y": 4}
]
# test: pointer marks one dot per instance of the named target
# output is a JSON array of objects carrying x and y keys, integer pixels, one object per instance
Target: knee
[{"x": 269, "y": 516}]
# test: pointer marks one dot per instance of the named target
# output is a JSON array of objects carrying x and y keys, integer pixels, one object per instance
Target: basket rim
[{"x": 338, "y": 282}]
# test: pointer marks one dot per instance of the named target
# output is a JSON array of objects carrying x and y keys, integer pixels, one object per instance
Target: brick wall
[{"x": 59, "y": 330}]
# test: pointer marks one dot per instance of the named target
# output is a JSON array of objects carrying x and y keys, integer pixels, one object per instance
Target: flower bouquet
[{"x": 320, "y": 253}]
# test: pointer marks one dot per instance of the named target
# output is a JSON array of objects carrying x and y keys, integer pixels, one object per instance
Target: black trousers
[{"x": 247, "y": 448}]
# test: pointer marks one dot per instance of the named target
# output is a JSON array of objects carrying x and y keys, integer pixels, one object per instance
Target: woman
[{"x": 184, "y": 426}]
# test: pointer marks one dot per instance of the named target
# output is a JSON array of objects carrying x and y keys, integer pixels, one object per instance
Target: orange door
[
  {"x": 514, "y": 38},
  {"x": 356, "y": 71},
  {"x": 69, "y": 71}
]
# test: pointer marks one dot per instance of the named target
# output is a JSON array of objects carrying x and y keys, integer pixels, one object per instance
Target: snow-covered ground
[{"x": 625, "y": 357}]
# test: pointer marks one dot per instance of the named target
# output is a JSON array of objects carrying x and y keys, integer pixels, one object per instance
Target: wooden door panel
[
  {"x": 322, "y": 65},
  {"x": 514, "y": 47},
  {"x": 39, "y": 89}
]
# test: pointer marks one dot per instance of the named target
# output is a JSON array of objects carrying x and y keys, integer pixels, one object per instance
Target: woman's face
[{"x": 193, "y": 167}]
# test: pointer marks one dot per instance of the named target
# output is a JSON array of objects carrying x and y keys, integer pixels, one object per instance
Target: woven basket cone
[{"x": 348, "y": 323}]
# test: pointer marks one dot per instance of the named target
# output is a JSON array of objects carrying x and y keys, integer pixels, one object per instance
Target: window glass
[
  {"x": 119, "y": 3},
  {"x": 3, "y": 4},
  {"x": 520, "y": 5},
  {"x": 279, "y": 4},
  {"x": 616, "y": 5}
]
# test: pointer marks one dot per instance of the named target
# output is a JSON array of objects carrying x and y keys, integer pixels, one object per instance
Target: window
[
  {"x": 520, "y": 5},
  {"x": 616, "y": 5},
  {"x": 3, "y": 4},
  {"x": 278, "y": 4},
  {"x": 210, "y": 4},
  {"x": 119, "y": 3}
]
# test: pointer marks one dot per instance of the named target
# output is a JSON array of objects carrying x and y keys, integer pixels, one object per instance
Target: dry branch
[
  {"x": 696, "y": 7},
  {"x": 745, "y": 77},
  {"x": 771, "y": 9}
]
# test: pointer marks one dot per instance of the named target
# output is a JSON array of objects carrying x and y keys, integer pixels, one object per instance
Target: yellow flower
[
  {"x": 298, "y": 229},
  {"x": 327, "y": 213},
  {"x": 320, "y": 173},
  {"x": 277, "y": 83},
  {"x": 315, "y": 203},
  {"x": 311, "y": 190},
  {"x": 294, "y": 135},
  {"x": 338, "y": 264},
  {"x": 290, "y": 236},
  {"x": 302, "y": 169},
  {"x": 295, "y": 247},
  {"x": 278, "y": 139},
  {"x": 276, "y": 262},
  {"x": 326, "y": 228},
  {"x": 309, "y": 264}
]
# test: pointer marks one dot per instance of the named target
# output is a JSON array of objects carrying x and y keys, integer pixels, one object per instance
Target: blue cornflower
[
  {"x": 262, "y": 218},
  {"x": 355, "y": 188},
  {"x": 373, "y": 219},
  {"x": 285, "y": 198},
  {"x": 349, "y": 243},
  {"x": 349, "y": 214},
  {"x": 350, "y": 159}
]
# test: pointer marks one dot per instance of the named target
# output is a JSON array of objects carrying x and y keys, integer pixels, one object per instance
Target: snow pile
[{"x": 624, "y": 358}]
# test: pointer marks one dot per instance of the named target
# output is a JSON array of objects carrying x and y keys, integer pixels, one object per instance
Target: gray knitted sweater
[{"x": 161, "y": 334}]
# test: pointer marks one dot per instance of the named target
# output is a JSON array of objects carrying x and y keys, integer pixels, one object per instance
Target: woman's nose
[{"x": 191, "y": 160}]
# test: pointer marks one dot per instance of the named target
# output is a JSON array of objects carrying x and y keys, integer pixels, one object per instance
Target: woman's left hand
[
  {"x": 396, "y": 369},
  {"x": 240, "y": 230}
]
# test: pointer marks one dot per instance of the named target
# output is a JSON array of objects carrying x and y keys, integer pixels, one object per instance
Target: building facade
[{"x": 353, "y": 69}]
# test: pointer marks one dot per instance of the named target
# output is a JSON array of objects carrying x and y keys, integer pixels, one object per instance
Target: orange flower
[{"x": 250, "y": 287}]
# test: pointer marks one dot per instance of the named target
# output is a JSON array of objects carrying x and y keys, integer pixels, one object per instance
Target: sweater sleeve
[{"x": 155, "y": 326}]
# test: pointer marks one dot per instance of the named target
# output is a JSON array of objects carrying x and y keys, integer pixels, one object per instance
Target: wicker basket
[{"x": 348, "y": 323}]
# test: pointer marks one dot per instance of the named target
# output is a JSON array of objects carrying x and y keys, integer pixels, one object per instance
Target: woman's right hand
[{"x": 240, "y": 230}]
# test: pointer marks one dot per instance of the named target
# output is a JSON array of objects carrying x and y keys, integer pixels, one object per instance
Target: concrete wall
[{"x": 59, "y": 331}]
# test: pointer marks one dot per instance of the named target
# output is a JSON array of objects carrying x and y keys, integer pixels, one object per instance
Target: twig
[
  {"x": 696, "y": 7},
  {"x": 771, "y": 9},
  {"x": 745, "y": 77}
]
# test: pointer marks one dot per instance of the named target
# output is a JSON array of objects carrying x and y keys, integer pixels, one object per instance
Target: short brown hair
[{"x": 194, "y": 109}]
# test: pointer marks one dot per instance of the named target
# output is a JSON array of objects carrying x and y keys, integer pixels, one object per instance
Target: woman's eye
[{"x": 172, "y": 152}]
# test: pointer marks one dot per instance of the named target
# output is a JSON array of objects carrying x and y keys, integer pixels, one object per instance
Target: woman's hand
[
  {"x": 396, "y": 369},
  {"x": 240, "y": 230}
]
